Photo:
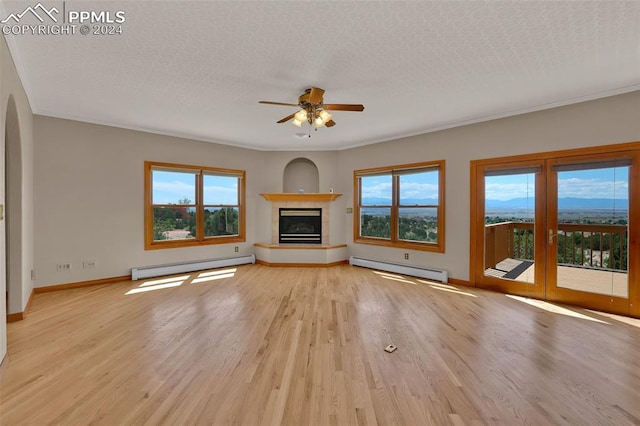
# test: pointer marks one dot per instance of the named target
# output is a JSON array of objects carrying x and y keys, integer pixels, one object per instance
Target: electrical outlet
[
  {"x": 349, "y": 210},
  {"x": 236, "y": 249},
  {"x": 406, "y": 256},
  {"x": 89, "y": 264},
  {"x": 63, "y": 267}
]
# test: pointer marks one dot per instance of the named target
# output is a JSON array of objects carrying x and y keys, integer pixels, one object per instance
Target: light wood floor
[{"x": 271, "y": 346}]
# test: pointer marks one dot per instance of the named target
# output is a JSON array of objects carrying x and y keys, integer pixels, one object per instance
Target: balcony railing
[{"x": 585, "y": 245}]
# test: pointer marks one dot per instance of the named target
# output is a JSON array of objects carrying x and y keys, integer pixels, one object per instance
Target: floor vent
[
  {"x": 179, "y": 268},
  {"x": 414, "y": 271}
]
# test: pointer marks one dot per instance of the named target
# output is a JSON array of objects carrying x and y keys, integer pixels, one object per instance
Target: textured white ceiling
[{"x": 198, "y": 69}]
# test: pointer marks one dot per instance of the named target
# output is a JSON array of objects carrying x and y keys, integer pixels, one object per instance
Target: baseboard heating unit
[
  {"x": 414, "y": 271},
  {"x": 180, "y": 268}
]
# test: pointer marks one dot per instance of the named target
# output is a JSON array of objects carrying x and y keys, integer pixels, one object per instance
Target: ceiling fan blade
[
  {"x": 315, "y": 97},
  {"x": 287, "y": 118},
  {"x": 344, "y": 107},
  {"x": 276, "y": 103},
  {"x": 330, "y": 123}
]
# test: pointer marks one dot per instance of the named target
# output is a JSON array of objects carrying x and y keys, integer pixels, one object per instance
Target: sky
[
  {"x": 596, "y": 183},
  {"x": 169, "y": 187},
  {"x": 412, "y": 186}
]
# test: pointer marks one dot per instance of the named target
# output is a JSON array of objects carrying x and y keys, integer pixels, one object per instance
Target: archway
[{"x": 13, "y": 208}]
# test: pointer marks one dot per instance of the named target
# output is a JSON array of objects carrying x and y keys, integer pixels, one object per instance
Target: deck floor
[{"x": 582, "y": 279}]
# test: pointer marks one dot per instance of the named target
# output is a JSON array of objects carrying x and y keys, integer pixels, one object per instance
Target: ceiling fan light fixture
[
  {"x": 301, "y": 116},
  {"x": 296, "y": 122},
  {"x": 319, "y": 122},
  {"x": 325, "y": 116}
]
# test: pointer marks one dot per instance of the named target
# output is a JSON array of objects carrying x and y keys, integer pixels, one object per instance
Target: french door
[{"x": 560, "y": 227}]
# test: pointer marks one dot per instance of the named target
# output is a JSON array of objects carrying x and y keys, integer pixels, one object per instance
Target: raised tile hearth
[{"x": 300, "y": 254}]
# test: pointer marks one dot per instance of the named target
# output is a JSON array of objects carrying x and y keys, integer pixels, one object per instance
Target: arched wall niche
[{"x": 301, "y": 174}]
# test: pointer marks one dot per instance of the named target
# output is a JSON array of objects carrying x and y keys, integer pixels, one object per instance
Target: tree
[
  {"x": 375, "y": 226},
  {"x": 222, "y": 221}
]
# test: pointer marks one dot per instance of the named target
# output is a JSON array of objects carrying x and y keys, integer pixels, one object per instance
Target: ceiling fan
[{"x": 313, "y": 110}]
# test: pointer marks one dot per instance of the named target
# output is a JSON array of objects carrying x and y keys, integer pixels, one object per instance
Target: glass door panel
[
  {"x": 588, "y": 238},
  {"x": 509, "y": 224}
]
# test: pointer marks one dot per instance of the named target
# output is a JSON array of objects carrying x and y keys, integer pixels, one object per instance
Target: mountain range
[
  {"x": 521, "y": 203},
  {"x": 572, "y": 203},
  {"x": 407, "y": 201}
]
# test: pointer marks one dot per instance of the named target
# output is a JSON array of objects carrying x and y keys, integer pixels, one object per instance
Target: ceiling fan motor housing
[{"x": 303, "y": 100}]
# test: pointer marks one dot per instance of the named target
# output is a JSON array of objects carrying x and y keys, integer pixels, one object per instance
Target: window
[
  {"x": 401, "y": 206},
  {"x": 190, "y": 205}
]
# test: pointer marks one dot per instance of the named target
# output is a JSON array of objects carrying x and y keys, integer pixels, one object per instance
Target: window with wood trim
[
  {"x": 401, "y": 206},
  {"x": 191, "y": 205}
]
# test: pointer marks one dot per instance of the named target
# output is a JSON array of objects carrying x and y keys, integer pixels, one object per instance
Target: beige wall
[
  {"x": 20, "y": 188},
  {"x": 600, "y": 122}
]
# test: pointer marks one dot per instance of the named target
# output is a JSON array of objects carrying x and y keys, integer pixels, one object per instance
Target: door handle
[{"x": 551, "y": 235}]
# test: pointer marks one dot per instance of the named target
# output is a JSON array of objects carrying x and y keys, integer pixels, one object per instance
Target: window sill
[
  {"x": 169, "y": 244},
  {"x": 431, "y": 247}
]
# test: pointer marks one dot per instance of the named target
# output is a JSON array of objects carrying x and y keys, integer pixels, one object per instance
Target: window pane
[
  {"x": 375, "y": 222},
  {"x": 376, "y": 190},
  {"x": 419, "y": 188},
  {"x": 174, "y": 223},
  {"x": 220, "y": 190},
  {"x": 173, "y": 187},
  {"x": 220, "y": 221},
  {"x": 418, "y": 224}
]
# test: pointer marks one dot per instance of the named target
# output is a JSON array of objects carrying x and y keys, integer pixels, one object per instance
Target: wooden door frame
[{"x": 476, "y": 251}]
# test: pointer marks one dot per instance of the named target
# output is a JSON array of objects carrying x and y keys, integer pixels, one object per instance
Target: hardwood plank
[{"x": 266, "y": 345}]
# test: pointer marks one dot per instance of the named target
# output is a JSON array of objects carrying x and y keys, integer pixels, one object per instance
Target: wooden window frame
[
  {"x": 200, "y": 240},
  {"x": 394, "y": 241}
]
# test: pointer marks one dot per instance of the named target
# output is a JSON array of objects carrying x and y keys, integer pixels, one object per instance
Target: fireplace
[{"x": 300, "y": 226}]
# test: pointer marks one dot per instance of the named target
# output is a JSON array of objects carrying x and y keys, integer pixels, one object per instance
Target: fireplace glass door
[{"x": 300, "y": 226}]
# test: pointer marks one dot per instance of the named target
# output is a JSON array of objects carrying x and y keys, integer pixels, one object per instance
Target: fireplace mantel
[{"x": 312, "y": 197}]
